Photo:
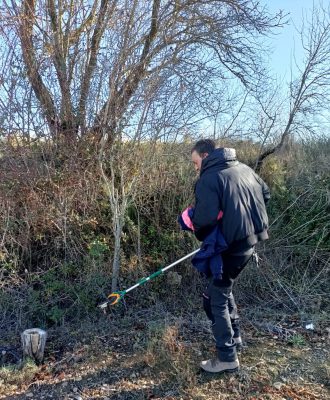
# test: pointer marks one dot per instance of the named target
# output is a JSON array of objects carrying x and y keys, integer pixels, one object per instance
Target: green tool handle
[
  {"x": 159, "y": 272},
  {"x": 115, "y": 297},
  {"x": 143, "y": 280}
]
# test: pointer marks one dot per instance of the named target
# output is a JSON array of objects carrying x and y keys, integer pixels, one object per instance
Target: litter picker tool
[{"x": 115, "y": 297}]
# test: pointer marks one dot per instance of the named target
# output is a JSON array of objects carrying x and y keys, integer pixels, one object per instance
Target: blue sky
[{"x": 287, "y": 42}]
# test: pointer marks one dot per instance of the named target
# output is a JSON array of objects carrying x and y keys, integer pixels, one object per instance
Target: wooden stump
[{"x": 33, "y": 342}]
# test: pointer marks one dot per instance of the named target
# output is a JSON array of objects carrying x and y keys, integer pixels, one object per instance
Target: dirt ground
[{"x": 155, "y": 355}]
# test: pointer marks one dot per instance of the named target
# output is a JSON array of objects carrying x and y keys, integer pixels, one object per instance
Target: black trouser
[{"x": 220, "y": 307}]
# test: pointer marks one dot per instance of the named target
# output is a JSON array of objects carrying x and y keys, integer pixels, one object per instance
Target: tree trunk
[
  {"x": 116, "y": 256},
  {"x": 33, "y": 342}
]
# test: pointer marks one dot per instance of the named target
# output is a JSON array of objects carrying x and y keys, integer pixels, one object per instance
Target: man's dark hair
[{"x": 204, "y": 146}]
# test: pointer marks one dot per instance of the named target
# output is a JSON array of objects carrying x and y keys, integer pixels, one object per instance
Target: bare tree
[
  {"x": 125, "y": 171},
  {"x": 310, "y": 91},
  {"x": 119, "y": 184},
  {"x": 88, "y": 63}
]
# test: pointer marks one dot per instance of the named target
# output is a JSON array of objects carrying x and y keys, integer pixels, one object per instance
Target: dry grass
[
  {"x": 16, "y": 376},
  {"x": 156, "y": 355},
  {"x": 166, "y": 350}
]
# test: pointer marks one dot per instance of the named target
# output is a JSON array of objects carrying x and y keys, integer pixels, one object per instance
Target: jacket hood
[{"x": 221, "y": 158}]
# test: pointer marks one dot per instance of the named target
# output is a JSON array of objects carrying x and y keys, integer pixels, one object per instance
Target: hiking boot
[{"x": 215, "y": 365}]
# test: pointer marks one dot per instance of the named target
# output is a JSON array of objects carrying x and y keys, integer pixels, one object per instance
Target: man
[{"x": 235, "y": 189}]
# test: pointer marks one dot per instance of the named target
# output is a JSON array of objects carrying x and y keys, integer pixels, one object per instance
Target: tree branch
[
  {"x": 118, "y": 101},
  {"x": 67, "y": 117},
  {"x": 25, "y": 32},
  {"x": 95, "y": 44}
]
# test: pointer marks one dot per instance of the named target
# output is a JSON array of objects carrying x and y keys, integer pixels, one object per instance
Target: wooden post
[{"x": 33, "y": 342}]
